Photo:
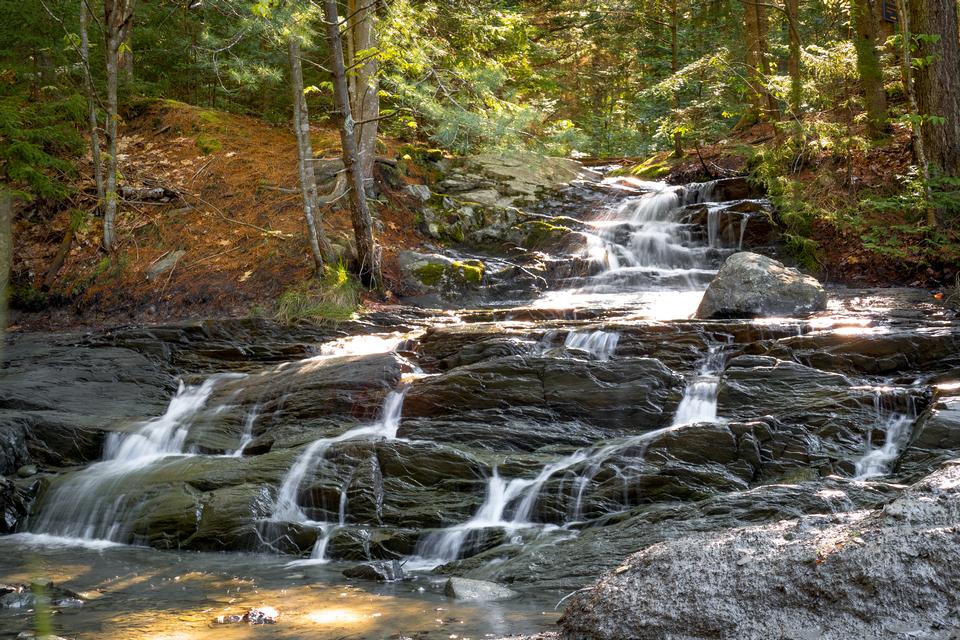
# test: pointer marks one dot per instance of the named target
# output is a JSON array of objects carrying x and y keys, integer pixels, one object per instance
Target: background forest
[{"x": 847, "y": 112}]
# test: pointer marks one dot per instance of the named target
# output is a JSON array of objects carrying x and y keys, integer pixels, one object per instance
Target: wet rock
[
  {"x": 747, "y": 224},
  {"x": 29, "y": 596},
  {"x": 258, "y": 615},
  {"x": 750, "y": 285},
  {"x": 390, "y": 571},
  {"x": 58, "y": 397},
  {"x": 880, "y": 574},
  {"x": 27, "y": 470},
  {"x": 476, "y": 590},
  {"x": 640, "y": 393},
  {"x": 14, "y": 503}
]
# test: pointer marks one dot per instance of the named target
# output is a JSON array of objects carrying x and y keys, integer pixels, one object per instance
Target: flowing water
[{"x": 510, "y": 445}]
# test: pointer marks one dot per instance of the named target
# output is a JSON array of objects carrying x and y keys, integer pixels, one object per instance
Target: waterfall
[
  {"x": 94, "y": 504},
  {"x": 698, "y": 405},
  {"x": 286, "y": 507},
  {"x": 896, "y": 426},
  {"x": 699, "y": 402},
  {"x": 599, "y": 344}
]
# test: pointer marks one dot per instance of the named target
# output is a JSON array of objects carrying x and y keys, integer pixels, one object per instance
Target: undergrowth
[{"x": 333, "y": 297}]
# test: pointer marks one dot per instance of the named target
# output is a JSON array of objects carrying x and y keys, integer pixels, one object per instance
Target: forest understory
[{"x": 229, "y": 240}]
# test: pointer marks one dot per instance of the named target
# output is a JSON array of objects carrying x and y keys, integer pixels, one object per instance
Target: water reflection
[{"x": 137, "y": 593}]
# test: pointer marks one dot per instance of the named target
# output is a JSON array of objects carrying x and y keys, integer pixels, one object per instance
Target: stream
[{"x": 201, "y": 469}]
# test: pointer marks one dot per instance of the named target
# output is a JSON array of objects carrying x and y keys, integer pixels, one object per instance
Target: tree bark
[
  {"x": 319, "y": 244},
  {"x": 937, "y": 82},
  {"x": 117, "y": 17},
  {"x": 126, "y": 56},
  {"x": 919, "y": 152},
  {"x": 755, "y": 36},
  {"x": 91, "y": 104},
  {"x": 365, "y": 98},
  {"x": 369, "y": 267},
  {"x": 793, "y": 59},
  {"x": 6, "y": 254},
  {"x": 866, "y": 41},
  {"x": 674, "y": 67}
]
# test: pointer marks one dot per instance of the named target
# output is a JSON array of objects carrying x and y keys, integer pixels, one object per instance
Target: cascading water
[
  {"x": 510, "y": 504},
  {"x": 287, "y": 508},
  {"x": 896, "y": 425},
  {"x": 699, "y": 402},
  {"x": 93, "y": 505},
  {"x": 599, "y": 344}
]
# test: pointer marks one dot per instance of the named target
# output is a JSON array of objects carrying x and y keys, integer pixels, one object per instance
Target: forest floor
[
  {"x": 233, "y": 241},
  {"x": 236, "y": 234}
]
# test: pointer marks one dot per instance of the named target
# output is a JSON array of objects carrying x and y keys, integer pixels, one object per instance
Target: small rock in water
[
  {"x": 386, "y": 571},
  {"x": 477, "y": 590},
  {"x": 27, "y": 470},
  {"x": 257, "y": 615},
  {"x": 25, "y": 596}
]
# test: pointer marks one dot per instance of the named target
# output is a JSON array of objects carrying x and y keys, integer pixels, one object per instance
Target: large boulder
[
  {"x": 750, "y": 285},
  {"x": 890, "y": 572}
]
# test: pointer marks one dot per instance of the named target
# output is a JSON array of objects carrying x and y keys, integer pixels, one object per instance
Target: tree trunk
[
  {"x": 369, "y": 267},
  {"x": 126, "y": 55},
  {"x": 793, "y": 60},
  {"x": 6, "y": 255},
  {"x": 866, "y": 40},
  {"x": 319, "y": 244},
  {"x": 919, "y": 152},
  {"x": 755, "y": 34},
  {"x": 117, "y": 17},
  {"x": 674, "y": 67},
  {"x": 91, "y": 104},
  {"x": 937, "y": 83},
  {"x": 365, "y": 98}
]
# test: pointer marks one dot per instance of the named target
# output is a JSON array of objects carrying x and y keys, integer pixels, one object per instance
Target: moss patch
[
  {"x": 470, "y": 271},
  {"x": 430, "y": 274},
  {"x": 653, "y": 168}
]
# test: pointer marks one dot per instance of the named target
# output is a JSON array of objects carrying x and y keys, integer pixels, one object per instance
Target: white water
[
  {"x": 286, "y": 507},
  {"x": 93, "y": 505},
  {"x": 599, "y": 344},
  {"x": 699, "y": 402},
  {"x": 896, "y": 427}
]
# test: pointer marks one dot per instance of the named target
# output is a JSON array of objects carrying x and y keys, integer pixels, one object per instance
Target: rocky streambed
[{"x": 775, "y": 477}]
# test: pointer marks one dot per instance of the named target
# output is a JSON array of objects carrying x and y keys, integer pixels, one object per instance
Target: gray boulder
[
  {"x": 377, "y": 571},
  {"x": 477, "y": 590},
  {"x": 890, "y": 572},
  {"x": 750, "y": 285}
]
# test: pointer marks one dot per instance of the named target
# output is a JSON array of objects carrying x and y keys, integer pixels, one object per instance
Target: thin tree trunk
[
  {"x": 365, "y": 98},
  {"x": 6, "y": 254},
  {"x": 91, "y": 104},
  {"x": 937, "y": 85},
  {"x": 674, "y": 67},
  {"x": 369, "y": 267},
  {"x": 126, "y": 56},
  {"x": 793, "y": 60},
  {"x": 319, "y": 244},
  {"x": 865, "y": 39},
  {"x": 117, "y": 17}
]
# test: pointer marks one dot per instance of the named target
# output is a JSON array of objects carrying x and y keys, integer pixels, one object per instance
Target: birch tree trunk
[
  {"x": 674, "y": 67},
  {"x": 369, "y": 267},
  {"x": 319, "y": 244},
  {"x": 91, "y": 104},
  {"x": 117, "y": 17},
  {"x": 365, "y": 98},
  {"x": 866, "y": 41}
]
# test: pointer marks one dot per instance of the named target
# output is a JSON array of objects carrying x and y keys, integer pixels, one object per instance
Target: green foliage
[
  {"x": 334, "y": 297},
  {"x": 38, "y": 141}
]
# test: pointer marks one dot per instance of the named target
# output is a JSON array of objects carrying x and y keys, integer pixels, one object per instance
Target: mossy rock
[
  {"x": 430, "y": 274},
  {"x": 653, "y": 168}
]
